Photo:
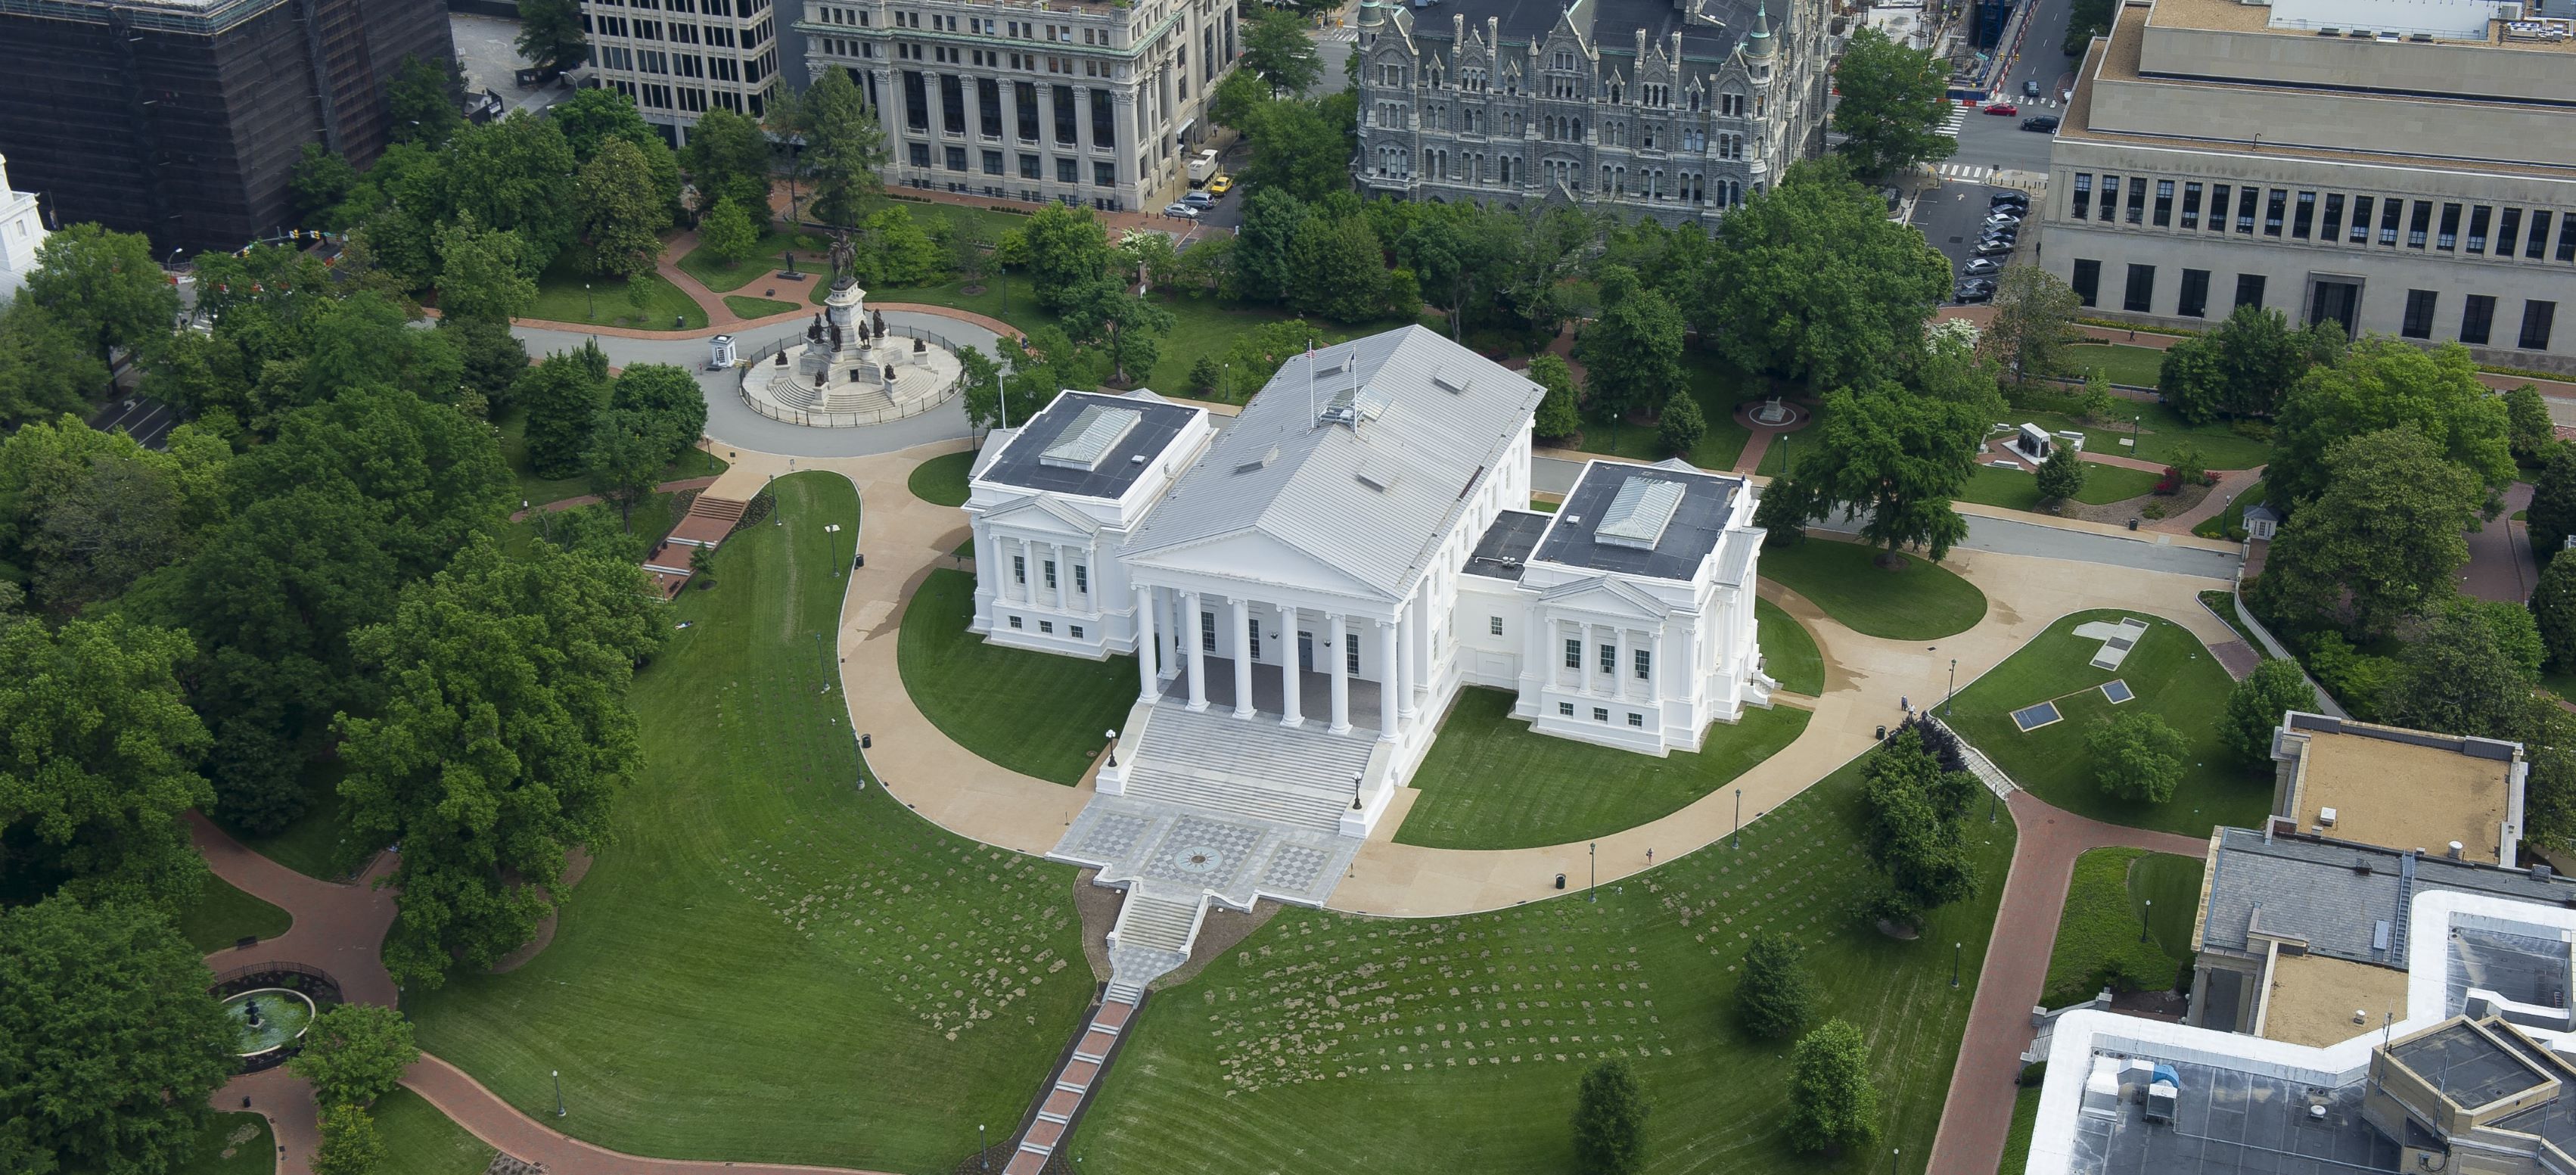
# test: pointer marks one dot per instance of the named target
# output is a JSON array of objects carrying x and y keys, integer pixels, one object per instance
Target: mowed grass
[
  {"x": 2103, "y": 937},
  {"x": 223, "y": 915},
  {"x": 1330, "y": 1043},
  {"x": 561, "y": 298},
  {"x": 2025, "y": 1119},
  {"x": 768, "y": 963},
  {"x": 1789, "y": 652},
  {"x": 2224, "y": 604},
  {"x": 2169, "y": 672},
  {"x": 2229, "y": 522},
  {"x": 2119, "y": 363},
  {"x": 750, "y": 307},
  {"x": 2159, "y": 430},
  {"x": 1490, "y": 782},
  {"x": 2172, "y": 882},
  {"x": 1035, "y": 713},
  {"x": 1919, "y": 601},
  {"x": 941, "y": 481},
  {"x": 766, "y": 260},
  {"x": 234, "y": 1144},
  {"x": 419, "y": 1140},
  {"x": 2015, "y": 489}
]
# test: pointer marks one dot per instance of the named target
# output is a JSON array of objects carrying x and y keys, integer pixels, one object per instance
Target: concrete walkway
[
  {"x": 2501, "y": 565},
  {"x": 1977, "y": 1118}
]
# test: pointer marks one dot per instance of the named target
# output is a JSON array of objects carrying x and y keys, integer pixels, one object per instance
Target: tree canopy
[
  {"x": 1278, "y": 51},
  {"x": 728, "y": 156},
  {"x": 551, "y": 35},
  {"x": 102, "y": 287},
  {"x": 1814, "y": 283},
  {"x": 2034, "y": 319},
  {"x": 2381, "y": 539},
  {"x": 2255, "y": 707},
  {"x": 1832, "y": 1105},
  {"x": 355, "y": 1053},
  {"x": 2382, "y": 384},
  {"x": 621, "y": 219},
  {"x": 844, "y": 147},
  {"x": 1632, "y": 354},
  {"x": 2136, "y": 756},
  {"x": 1610, "y": 1112},
  {"x": 1774, "y": 997},
  {"x": 1894, "y": 100}
]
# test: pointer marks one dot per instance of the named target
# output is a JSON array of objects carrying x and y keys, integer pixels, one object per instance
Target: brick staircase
[
  {"x": 708, "y": 521},
  {"x": 1076, "y": 1076},
  {"x": 1297, "y": 776}
]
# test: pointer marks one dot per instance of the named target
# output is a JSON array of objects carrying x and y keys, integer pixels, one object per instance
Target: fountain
[
  {"x": 268, "y": 1019},
  {"x": 849, "y": 370}
]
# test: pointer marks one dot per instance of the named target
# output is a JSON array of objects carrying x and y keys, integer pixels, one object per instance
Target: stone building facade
[{"x": 679, "y": 58}]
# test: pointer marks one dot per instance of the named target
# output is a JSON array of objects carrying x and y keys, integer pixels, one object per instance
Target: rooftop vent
[
  {"x": 2540, "y": 873},
  {"x": 1378, "y": 474},
  {"x": 1259, "y": 461},
  {"x": 1450, "y": 382},
  {"x": 1354, "y": 407},
  {"x": 2456, "y": 849},
  {"x": 2361, "y": 866},
  {"x": 1639, "y": 512},
  {"x": 2326, "y": 817},
  {"x": 2365, "y": 34},
  {"x": 2421, "y": 38},
  {"x": 2329, "y": 31},
  {"x": 1086, "y": 442}
]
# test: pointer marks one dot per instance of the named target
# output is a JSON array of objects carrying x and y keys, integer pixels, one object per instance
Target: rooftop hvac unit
[
  {"x": 2421, "y": 38},
  {"x": 2329, "y": 31}
]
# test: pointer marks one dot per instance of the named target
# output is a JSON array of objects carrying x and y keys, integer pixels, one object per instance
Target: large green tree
[
  {"x": 1301, "y": 147},
  {"x": 621, "y": 221},
  {"x": 355, "y": 1053},
  {"x": 551, "y": 35},
  {"x": 2245, "y": 366},
  {"x": 430, "y": 475},
  {"x": 2457, "y": 678},
  {"x": 1338, "y": 270},
  {"x": 1894, "y": 100},
  {"x": 1610, "y": 1111},
  {"x": 1068, "y": 251},
  {"x": 1895, "y": 457},
  {"x": 728, "y": 157},
  {"x": 627, "y": 449},
  {"x": 351, "y": 1144},
  {"x": 1832, "y": 1105},
  {"x": 2136, "y": 756},
  {"x": 46, "y": 369},
  {"x": 2062, "y": 475},
  {"x": 1264, "y": 265},
  {"x": 2529, "y": 432},
  {"x": 109, "y": 1044},
  {"x": 422, "y": 101},
  {"x": 593, "y": 117},
  {"x": 2256, "y": 704},
  {"x": 2034, "y": 319},
  {"x": 1277, "y": 50},
  {"x": 1127, "y": 330},
  {"x": 503, "y": 738},
  {"x": 516, "y": 174},
  {"x": 103, "y": 287},
  {"x": 2383, "y": 384},
  {"x": 844, "y": 147},
  {"x": 1774, "y": 997},
  {"x": 727, "y": 233},
  {"x": 1558, "y": 416},
  {"x": 1632, "y": 354},
  {"x": 2552, "y": 516},
  {"x": 483, "y": 273},
  {"x": 670, "y": 396},
  {"x": 2382, "y": 538},
  {"x": 561, "y": 393},
  {"x": 1813, "y": 282},
  {"x": 2553, "y": 611}
]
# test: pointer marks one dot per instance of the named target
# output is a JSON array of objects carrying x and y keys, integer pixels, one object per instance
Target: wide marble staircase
[{"x": 1298, "y": 776}]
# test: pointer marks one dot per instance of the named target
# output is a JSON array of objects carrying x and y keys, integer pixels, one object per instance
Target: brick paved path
[
  {"x": 1978, "y": 1115},
  {"x": 574, "y": 503}
]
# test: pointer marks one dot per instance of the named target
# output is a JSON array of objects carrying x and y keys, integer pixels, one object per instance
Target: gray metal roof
[
  {"x": 1507, "y": 544},
  {"x": 1592, "y": 531},
  {"x": 2335, "y": 894},
  {"x": 1371, "y": 498},
  {"x": 1076, "y": 445},
  {"x": 2461, "y": 1062}
]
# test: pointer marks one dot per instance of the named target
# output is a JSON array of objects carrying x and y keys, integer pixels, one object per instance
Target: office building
[
  {"x": 2405, "y": 167},
  {"x": 680, "y": 58},
  {"x": 1082, "y": 102},
  {"x": 1674, "y": 109},
  {"x": 183, "y": 119}
]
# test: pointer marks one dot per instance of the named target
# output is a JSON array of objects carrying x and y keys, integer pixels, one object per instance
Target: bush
[
  {"x": 1683, "y": 424},
  {"x": 2032, "y": 1074},
  {"x": 2136, "y": 756},
  {"x": 1609, "y": 1121},
  {"x": 1774, "y": 996},
  {"x": 2170, "y": 483},
  {"x": 2356, "y": 679}
]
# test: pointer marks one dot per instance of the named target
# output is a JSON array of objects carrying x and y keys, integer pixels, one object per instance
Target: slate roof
[
  {"x": 1019, "y": 461},
  {"x": 2335, "y": 893},
  {"x": 1370, "y": 500},
  {"x": 1610, "y": 25},
  {"x": 1698, "y": 522}
]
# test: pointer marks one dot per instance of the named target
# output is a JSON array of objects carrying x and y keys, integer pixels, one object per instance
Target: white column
[
  {"x": 1535, "y": 667},
  {"x": 1410, "y": 640},
  {"x": 1387, "y": 685},
  {"x": 1145, "y": 646},
  {"x": 1619, "y": 662},
  {"x": 1091, "y": 576},
  {"x": 1341, "y": 678},
  {"x": 1242, "y": 657},
  {"x": 1197, "y": 654},
  {"x": 1292, "y": 706}
]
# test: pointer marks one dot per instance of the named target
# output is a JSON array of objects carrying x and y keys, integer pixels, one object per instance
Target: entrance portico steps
[{"x": 1209, "y": 759}]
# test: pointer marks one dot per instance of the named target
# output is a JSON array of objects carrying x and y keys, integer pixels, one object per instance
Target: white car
[{"x": 1184, "y": 211}]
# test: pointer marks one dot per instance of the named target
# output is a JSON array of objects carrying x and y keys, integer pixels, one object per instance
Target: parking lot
[{"x": 1952, "y": 217}]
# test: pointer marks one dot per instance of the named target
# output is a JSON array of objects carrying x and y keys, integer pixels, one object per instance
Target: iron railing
[{"x": 812, "y": 419}]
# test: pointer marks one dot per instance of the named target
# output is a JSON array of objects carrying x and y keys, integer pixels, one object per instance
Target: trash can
[
  {"x": 1560, "y": 881},
  {"x": 2133, "y": 524}
]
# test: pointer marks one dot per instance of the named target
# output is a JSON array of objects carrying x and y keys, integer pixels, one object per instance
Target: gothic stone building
[{"x": 1675, "y": 109}]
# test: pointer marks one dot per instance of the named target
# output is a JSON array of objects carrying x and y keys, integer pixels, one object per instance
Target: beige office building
[
  {"x": 1084, "y": 103},
  {"x": 2407, "y": 167},
  {"x": 680, "y": 58}
]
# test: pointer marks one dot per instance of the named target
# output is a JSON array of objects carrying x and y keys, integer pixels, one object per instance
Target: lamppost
[
  {"x": 559, "y": 1106},
  {"x": 1593, "y": 890},
  {"x": 2143, "y": 922},
  {"x": 833, "y": 529},
  {"x": 1355, "y": 791},
  {"x": 1955, "y": 948},
  {"x": 1738, "y": 841},
  {"x": 1113, "y": 748},
  {"x": 591, "y": 304},
  {"x": 983, "y": 1159},
  {"x": 1954, "y": 688}
]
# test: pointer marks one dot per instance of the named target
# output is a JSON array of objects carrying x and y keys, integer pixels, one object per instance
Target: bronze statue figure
[{"x": 844, "y": 258}]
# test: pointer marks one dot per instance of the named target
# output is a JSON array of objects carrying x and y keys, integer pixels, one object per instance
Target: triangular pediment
[
  {"x": 1606, "y": 596},
  {"x": 1040, "y": 513},
  {"x": 1257, "y": 557}
]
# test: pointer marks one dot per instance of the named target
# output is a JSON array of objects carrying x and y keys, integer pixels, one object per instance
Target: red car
[{"x": 2003, "y": 108}]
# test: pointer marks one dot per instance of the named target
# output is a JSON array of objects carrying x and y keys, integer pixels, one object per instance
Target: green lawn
[
  {"x": 941, "y": 481},
  {"x": 1788, "y": 652},
  {"x": 316, "y": 844},
  {"x": 421, "y": 1141},
  {"x": 232, "y": 1144},
  {"x": 1490, "y": 782},
  {"x": 2172, "y": 882},
  {"x": 223, "y": 915},
  {"x": 1334, "y": 1043},
  {"x": 1784, "y": 449},
  {"x": 1920, "y": 601},
  {"x": 2016, "y": 489},
  {"x": 2230, "y": 523},
  {"x": 561, "y": 298},
  {"x": 757, "y": 307},
  {"x": 2169, "y": 671},
  {"x": 2103, "y": 938},
  {"x": 1718, "y": 386},
  {"x": 760, "y": 937},
  {"x": 2159, "y": 430},
  {"x": 1036, "y": 713},
  {"x": 537, "y": 491},
  {"x": 1544, "y": 507},
  {"x": 728, "y": 276},
  {"x": 2017, "y": 1143},
  {"x": 2138, "y": 367}
]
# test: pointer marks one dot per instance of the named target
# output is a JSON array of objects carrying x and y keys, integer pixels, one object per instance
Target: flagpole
[{"x": 1310, "y": 383}]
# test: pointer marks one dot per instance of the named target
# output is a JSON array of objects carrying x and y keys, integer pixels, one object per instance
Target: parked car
[
  {"x": 1199, "y": 200},
  {"x": 2030, "y": 89},
  {"x": 2002, "y": 108},
  {"x": 1185, "y": 211},
  {"x": 1220, "y": 185},
  {"x": 2016, "y": 200},
  {"x": 2046, "y": 123},
  {"x": 1996, "y": 222},
  {"x": 2007, "y": 240},
  {"x": 1983, "y": 266},
  {"x": 1994, "y": 248},
  {"x": 1976, "y": 291}
]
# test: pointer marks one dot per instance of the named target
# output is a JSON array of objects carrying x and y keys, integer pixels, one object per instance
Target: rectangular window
[
  {"x": 956, "y": 158},
  {"x": 1068, "y": 172},
  {"x": 2567, "y": 236},
  {"x": 2218, "y": 207},
  {"x": 2083, "y": 208},
  {"x": 1015, "y": 622},
  {"x": 1601, "y": 714},
  {"x": 1636, "y": 720},
  {"x": 2332, "y": 228},
  {"x": 1082, "y": 578},
  {"x": 2141, "y": 293},
  {"x": 2191, "y": 205},
  {"x": 2361, "y": 220},
  {"x": 2477, "y": 319},
  {"x": 2449, "y": 238},
  {"x": 1019, "y": 569},
  {"x": 1565, "y": 709},
  {"x": 1610, "y": 660},
  {"x": 1104, "y": 175},
  {"x": 988, "y": 106},
  {"x": 1104, "y": 118},
  {"x": 2419, "y": 314},
  {"x": 2110, "y": 197},
  {"x": 1050, "y": 573},
  {"x": 1064, "y": 116},
  {"x": 2272, "y": 212},
  {"x": 2536, "y": 320},
  {"x": 1494, "y": 625},
  {"x": 992, "y": 163},
  {"x": 1252, "y": 638},
  {"x": 1351, "y": 655},
  {"x": 2249, "y": 289},
  {"x": 2137, "y": 200},
  {"x": 2508, "y": 231},
  {"x": 2303, "y": 215},
  {"x": 2420, "y": 225},
  {"x": 1573, "y": 653},
  {"x": 1029, "y": 168},
  {"x": 2478, "y": 228},
  {"x": 1047, "y": 627},
  {"x": 952, "y": 105},
  {"x": 2164, "y": 203},
  {"x": 1644, "y": 663},
  {"x": 1207, "y": 632},
  {"x": 2538, "y": 242},
  {"x": 1024, "y": 103},
  {"x": 920, "y": 153},
  {"x": 2194, "y": 301},
  {"x": 2245, "y": 201},
  {"x": 2088, "y": 280},
  {"x": 2391, "y": 210}
]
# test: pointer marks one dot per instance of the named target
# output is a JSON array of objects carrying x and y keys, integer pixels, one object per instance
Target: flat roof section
[
  {"x": 2404, "y": 796},
  {"x": 2313, "y": 998},
  {"x": 2466, "y": 1065},
  {"x": 2229, "y": 1122},
  {"x": 1078, "y": 446},
  {"x": 1507, "y": 544},
  {"x": 1590, "y": 532}
]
